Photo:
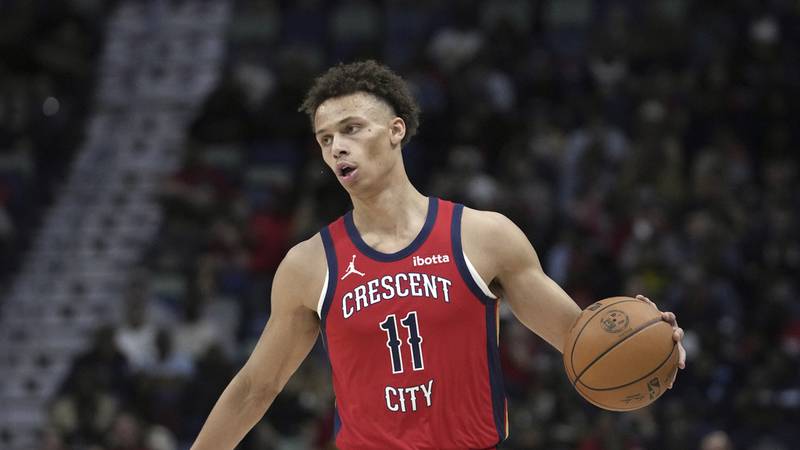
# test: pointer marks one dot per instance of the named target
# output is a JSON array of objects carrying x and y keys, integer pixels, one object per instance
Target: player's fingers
[
  {"x": 677, "y": 334},
  {"x": 647, "y": 300},
  {"x": 681, "y": 362},
  {"x": 671, "y": 319}
]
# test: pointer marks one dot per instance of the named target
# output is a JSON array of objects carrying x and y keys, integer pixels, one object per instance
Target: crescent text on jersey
[{"x": 399, "y": 285}]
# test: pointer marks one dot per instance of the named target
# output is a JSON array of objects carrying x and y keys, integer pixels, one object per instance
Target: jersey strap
[
  {"x": 330, "y": 283},
  {"x": 499, "y": 401}
]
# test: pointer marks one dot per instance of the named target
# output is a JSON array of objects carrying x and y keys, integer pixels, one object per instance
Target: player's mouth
[{"x": 346, "y": 171}]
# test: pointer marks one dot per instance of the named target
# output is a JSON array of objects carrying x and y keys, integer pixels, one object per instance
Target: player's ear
[{"x": 397, "y": 131}]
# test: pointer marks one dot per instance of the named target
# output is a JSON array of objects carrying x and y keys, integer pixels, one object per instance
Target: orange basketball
[{"x": 619, "y": 354}]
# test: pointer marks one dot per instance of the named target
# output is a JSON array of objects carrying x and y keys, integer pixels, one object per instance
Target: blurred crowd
[
  {"x": 47, "y": 62},
  {"x": 643, "y": 147}
]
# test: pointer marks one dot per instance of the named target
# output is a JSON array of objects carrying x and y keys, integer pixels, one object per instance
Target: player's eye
[
  {"x": 352, "y": 128},
  {"x": 325, "y": 140}
]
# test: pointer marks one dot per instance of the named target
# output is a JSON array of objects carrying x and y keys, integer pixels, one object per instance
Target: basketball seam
[
  {"x": 649, "y": 323},
  {"x": 575, "y": 342},
  {"x": 660, "y": 365}
]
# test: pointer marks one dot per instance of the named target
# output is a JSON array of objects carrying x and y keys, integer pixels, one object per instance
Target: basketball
[{"x": 620, "y": 355}]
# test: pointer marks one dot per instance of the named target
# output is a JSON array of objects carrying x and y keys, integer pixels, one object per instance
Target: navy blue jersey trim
[
  {"x": 495, "y": 373},
  {"x": 458, "y": 255},
  {"x": 492, "y": 351},
  {"x": 337, "y": 422},
  {"x": 333, "y": 270},
  {"x": 330, "y": 256},
  {"x": 352, "y": 231}
]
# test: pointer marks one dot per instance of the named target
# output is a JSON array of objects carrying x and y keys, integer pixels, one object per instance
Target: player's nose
[{"x": 338, "y": 146}]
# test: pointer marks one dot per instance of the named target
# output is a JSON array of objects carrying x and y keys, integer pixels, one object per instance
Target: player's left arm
[{"x": 509, "y": 260}]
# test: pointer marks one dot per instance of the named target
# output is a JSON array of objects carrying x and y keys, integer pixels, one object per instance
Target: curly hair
[{"x": 364, "y": 76}]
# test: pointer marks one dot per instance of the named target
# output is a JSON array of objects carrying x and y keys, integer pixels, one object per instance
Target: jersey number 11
[{"x": 409, "y": 322}]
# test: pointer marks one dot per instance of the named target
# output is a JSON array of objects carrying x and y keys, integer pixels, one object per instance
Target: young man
[{"x": 400, "y": 288}]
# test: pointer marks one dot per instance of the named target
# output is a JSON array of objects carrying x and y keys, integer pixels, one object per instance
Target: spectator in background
[
  {"x": 716, "y": 440},
  {"x": 84, "y": 413},
  {"x": 136, "y": 336},
  {"x": 104, "y": 362},
  {"x": 162, "y": 383},
  {"x": 126, "y": 433},
  {"x": 196, "y": 333}
]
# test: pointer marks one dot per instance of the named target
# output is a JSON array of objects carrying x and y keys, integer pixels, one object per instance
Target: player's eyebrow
[{"x": 346, "y": 119}]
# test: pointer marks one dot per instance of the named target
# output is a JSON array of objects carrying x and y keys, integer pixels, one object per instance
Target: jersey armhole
[
  {"x": 468, "y": 273},
  {"x": 329, "y": 287},
  {"x": 322, "y": 294},
  {"x": 477, "y": 278}
]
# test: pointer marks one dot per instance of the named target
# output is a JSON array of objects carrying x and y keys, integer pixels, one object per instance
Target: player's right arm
[{"x": 287, "y": 339}]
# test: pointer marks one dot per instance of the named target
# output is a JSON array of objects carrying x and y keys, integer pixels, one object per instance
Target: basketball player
[{"x": 404, "y": 290}]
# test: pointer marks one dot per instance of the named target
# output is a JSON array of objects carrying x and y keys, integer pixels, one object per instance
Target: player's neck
[{"x": 398, "y": 210}]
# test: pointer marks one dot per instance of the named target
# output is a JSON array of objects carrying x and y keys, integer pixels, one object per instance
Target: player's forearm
[
  {"x": 238, "y": 409},
  {"x": 542, "y": 306}
]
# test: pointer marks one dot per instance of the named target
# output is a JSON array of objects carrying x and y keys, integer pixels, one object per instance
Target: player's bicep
[{"x": 534, "y": 298}]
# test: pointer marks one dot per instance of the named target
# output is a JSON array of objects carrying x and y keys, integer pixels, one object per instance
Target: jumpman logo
[{"x": 351, "y": 268}]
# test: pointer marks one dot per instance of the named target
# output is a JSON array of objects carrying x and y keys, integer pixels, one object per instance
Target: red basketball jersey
[{"x": 412, "y": 341}]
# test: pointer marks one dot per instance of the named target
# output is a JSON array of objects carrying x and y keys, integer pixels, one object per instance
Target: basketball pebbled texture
[{"x": 619, "y": 355}]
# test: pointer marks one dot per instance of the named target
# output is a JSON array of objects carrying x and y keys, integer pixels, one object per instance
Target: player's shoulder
[
  {"x": 307, "y": 249},
  {"x": 303, "y": 270},
  {"x": 492, "y": 237},
  {"x": 475, "y": 221},
  {"x": 306, "y": 257}
]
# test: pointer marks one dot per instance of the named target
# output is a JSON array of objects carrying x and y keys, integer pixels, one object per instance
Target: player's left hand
[{"x": 677, "y": 335}]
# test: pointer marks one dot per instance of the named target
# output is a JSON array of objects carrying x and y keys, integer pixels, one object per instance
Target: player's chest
[{"x": 392, "y": 299}]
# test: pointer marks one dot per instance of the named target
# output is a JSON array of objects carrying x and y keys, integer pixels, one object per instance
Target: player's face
[{"x": 360, "y": 139}]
